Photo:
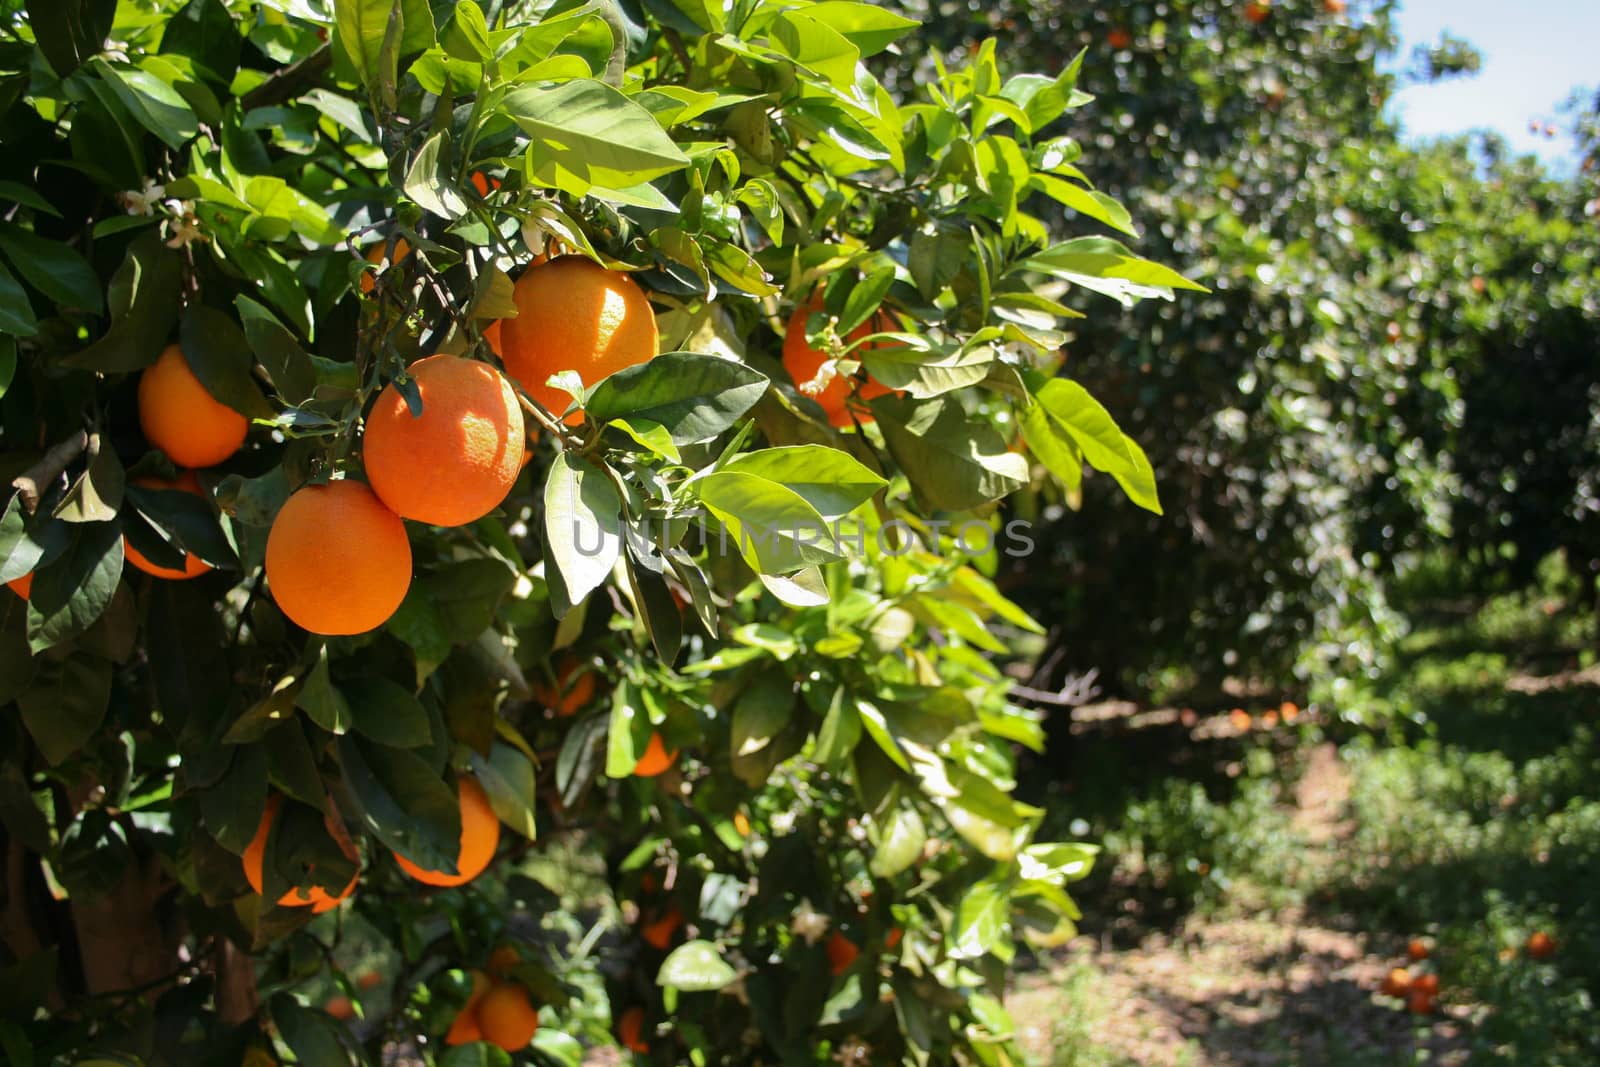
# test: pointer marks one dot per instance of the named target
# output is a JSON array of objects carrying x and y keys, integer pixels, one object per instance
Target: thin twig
[
  {"x": 291, "y": 81},
  {"x": 31, "y": 483}
]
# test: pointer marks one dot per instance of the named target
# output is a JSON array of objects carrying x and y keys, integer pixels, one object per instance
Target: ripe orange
[
  {"x": 455, "y": 462},
  {"x": 1333, "y": 7},
  {"x": 369, "y": 280},
  {"x": 658, "y": 932},
  {"x": 182, "y": 419},
  {"x": 464, "y": 1027},
  {"x": 483, "y": 183},
  {"x": 630, "y": 1030},
  {"x": 316, "y": 898},
  {"x": 507, "y": 1017},
  {"x": 1240, "y": 719},
  {"x": 573, "y": 314},
  {"x": 656, "y": 758},
  {"x": 1417, "y": 949},
  {"x": 1269, "y": 719},
  {"x": 1426, "y": 983},
  {"x": 1289, "y": 710},
  {"x": 842, "y": 952},
  {"x": 1397, "y": 983},
  {"x": 23, "y": 586},
  {"x": 1257, "y": 11},
  {"x": 1119, "y": 38},
  {"x": 741, "y": 823},
  {"x": 491, "y": 335},
  {"x": 803, "y": 362},
  {"x": 892, "y": 942},
  {"x": 339, "y": 1007},
  {"x": 370, "y": 980},
  {"x": 570, "y": 693},
  {"x": 338, "y": 561},
  {"x": 192, "y": 566},
  {"x": 480, "y": 834},
  {"x": 502, "y": 960},
  {"x": 1419, "y": 1003},
  {"x": 1540, "y": 945}
]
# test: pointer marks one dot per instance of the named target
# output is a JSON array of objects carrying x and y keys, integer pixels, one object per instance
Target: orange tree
[{"x": 645, "y": 680}]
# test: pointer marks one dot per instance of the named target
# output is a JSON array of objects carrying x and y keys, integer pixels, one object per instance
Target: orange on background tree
[{"x": 545, "y": 629}]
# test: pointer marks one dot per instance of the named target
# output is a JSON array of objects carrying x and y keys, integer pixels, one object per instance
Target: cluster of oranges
[
  {"x": 1417, "y": 991},
  {"x": 575, "y": 687},
  {"x": 498, "y": 1010},
  {"x": 1241, "y": 720},
  {"x": 480, "y": 836}
]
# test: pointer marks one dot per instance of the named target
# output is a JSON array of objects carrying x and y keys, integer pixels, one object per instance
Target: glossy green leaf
[
  {"x": 954, "y": 461},
  {"x": 583, "y": 525},
  {"x": 592, "y": 132},
  {"x": 695, "y": 967},
  {"x": 695, "y": 397}
]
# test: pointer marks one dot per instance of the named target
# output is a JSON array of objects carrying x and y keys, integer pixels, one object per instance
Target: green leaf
[
  {"x": 157, "y": 106},
  {"x": 1064, "y": 408},
  {"x": 145, "y": 297},
  {"x": 430, "y": 182},
  {"x": 841, "y": 729},
  {"x": 16, "y": 313},
  {"x": 833, "y": 482},
  {"x": 869, "y": 27},
  {"x": 72, "y": 591},
  {"x": 629, "y": 730},
  {"x": 1086, "y": 202},
  {"x": 592, "y": 132},
  {"x": 761, "y": 712},
  {"x": 205, "y": 32},
  {"x": 286, "y": 363},
  {"x": 360, "y": 25},
  {"x": 404, "y": 802},
  {"x": 814, "y": 44},
  {"x": 924, "y": 371},
  {"x": 54, "y": 269},
  {"x": 774, "y": 528},
  {"x": 955, "y": 462},
  {"x": 695, "y": 967},
  {"x": 66, "y": 702},
  {"x": 185, "y": 519},
  {"x": 466, "y": 35},
  {"x": 319, "y": 699},
  {"x": 583, "y": 525},
  {"x": 900, "y": 841},
  {"x": 980, "y": 921},
  {"x": 70, "y": 31},
  {"x": 1104, "y": 266},
  {"x": 312, "y": 1036},
  {"x": 509, "y": 779},
  {"x": 695, "y": 396},
  {"x": 387, "y": 712},
  {"x": 97, "y": 494},
  {"x": 217, "y": 352}
]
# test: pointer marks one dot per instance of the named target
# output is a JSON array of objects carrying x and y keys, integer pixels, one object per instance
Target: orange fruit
[
  {"x": 1257, "y": 11},
  {"x": 1540, "y": 946},
  {"x": 630, "y": 1029},
  {"x": 573, "y": 314},
  {"x": 480, "y": 834},
  {"x": 656, "y": 758},
  {"x": 741, "y": 824},
  {"x": 192, "y": 566},
  {"x": 1269, "y": 719},
  {"x": 892, "y": 942},
  {"x": 23, "y": 586},
  {"x": 182, "y": 419},
  {"x": 1397, "y": 983},
  {"x": 1426, "y": 983},
  {"x": 464, "y": 1027},
  {"x": 1333, "y": 7},
  {"x": 1119, "y": 38},
  {"x": 370, "y": 980},
  {"x": 455, "y": 462},
  {"x": 502, "y": 960},
  {"x": 483, "y": 183},
  {"x": 1419, "y": 1003},
  {"x": 1240, "y": 719},
  {"x": 1288, "y": 710},
  {"x": 491, "y": 335},
  {"x": 570, "y": 693},
  {"x": 369, "y": 280},
  {"x": 338, "y": 561},
  {"x": 1417, "y": 949},
  {"x": 339, "y": 1007},
  {"x": 316, "y": 898},
  {"x": 802, "y": 362},
  {"x": 842, "y": 952},
  {"x": 658, "y": 932},
  {"x": 507, "y": 1017}
]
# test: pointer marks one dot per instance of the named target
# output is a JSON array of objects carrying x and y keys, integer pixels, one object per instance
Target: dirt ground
[{"x": 1258, "y": 990}]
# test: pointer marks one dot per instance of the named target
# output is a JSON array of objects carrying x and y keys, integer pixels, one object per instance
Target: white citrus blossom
[
  {"x": 142, "y": 201},
  {"x": 808, "y": 923}
]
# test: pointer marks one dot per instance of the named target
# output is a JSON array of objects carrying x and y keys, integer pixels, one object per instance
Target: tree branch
[
  {"x": 31, "y": 483},
  {"x": 289, "y": 82}
]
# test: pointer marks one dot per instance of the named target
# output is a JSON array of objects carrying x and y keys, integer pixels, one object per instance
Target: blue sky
[{"x": 1535, "y": 52}]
